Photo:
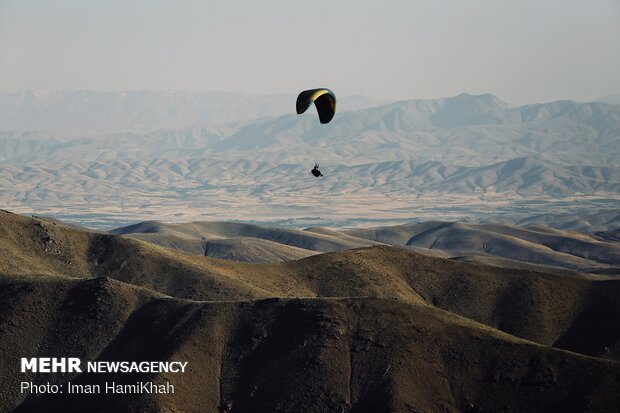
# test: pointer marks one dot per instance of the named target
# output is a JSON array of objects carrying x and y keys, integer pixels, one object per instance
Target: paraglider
[
  {"x": 315, "y": 171},
  {"x": 325, "y": 102}
]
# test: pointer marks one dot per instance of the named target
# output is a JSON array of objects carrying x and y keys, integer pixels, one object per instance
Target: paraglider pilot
[{"x": 315, "y": 171}]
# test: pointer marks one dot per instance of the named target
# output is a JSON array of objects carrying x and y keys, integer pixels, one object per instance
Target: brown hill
[
  {"x": 535, "y": 244},
  {"x": 370, "y": 329},
  {"x": 241, "y": 249},
  {"x": 612, "y": 235},
  {"x": 313, "y": 355},
  {"x": 597, "y": 253},
  {"x": 319, "y": 240},
  {"x": 546, "y": 304},
  {"x": 244, "y": 249}
]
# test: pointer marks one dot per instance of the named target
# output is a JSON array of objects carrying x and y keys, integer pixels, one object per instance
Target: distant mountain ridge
[
  {"x": 92, "y": 112},
  {"x": 466, "y": 129},
  {"x": 614, "y": 99},
  {"x": 386, "y": 160}
]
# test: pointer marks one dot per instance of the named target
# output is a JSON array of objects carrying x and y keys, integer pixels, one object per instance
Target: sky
[{"x": 523, "y": 51}]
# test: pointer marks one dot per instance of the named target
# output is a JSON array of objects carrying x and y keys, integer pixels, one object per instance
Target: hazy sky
[{"x": 521, "y": 50}]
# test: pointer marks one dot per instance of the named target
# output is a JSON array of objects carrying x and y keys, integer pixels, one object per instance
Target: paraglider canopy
[{"x": 324, "y": 100}]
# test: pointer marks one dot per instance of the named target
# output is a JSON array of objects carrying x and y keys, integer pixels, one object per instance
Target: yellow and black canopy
[{"x": 324, "y": 100}]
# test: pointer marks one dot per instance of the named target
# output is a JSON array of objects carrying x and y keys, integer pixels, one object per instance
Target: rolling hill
[
  {"x": 591, "y": 221},
  {"x": 510, "y": 244},
  {"x": 369, "y": 329},
  {"x": 242, "y": 242},
  {"x": 362, "y": 355},
  {"x": 531, "y": 244}
]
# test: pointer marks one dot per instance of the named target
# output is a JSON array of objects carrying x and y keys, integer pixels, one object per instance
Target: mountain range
[
  {"x": 465, "y": 129},
  {"x": 468, "y": 156},
  {"x": 91, "y": 112}
]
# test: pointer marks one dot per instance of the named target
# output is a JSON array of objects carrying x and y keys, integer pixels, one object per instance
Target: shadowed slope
[
  {"x": 258, "y": 250},
  {"x": 242, "y": 249},
  {"x": 548, "y": 308},
  {"x": 38, "y": 246},
  {"x": 351, "y": 355}
]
